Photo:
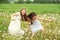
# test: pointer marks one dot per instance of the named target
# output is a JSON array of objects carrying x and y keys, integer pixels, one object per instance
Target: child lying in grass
[{"x": 35, "y": 24}]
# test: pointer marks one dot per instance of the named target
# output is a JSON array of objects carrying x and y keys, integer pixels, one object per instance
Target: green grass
[
  {"x": 39, "y": 8},
  {"x": 52, "y": 29}
]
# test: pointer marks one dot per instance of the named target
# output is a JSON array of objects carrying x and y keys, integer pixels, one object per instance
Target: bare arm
[
  {"x": 44, "y": 19},
  {"x": 15, "y": 14},
  {"x": 12, "y": 16}
]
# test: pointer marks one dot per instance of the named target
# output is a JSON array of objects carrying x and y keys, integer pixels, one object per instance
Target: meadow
[{"x": 49, "y": 11}]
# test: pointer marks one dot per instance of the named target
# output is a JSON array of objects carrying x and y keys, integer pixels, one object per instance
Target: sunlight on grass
[{"x": 52, "y": 29}]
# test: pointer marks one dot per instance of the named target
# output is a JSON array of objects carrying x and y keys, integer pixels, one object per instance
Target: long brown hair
[
  {"x": 23, "y": 17},
  {"x": 31, "y": 15}
]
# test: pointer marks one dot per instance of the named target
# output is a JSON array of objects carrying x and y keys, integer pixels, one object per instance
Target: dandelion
[
  {"x": 3, "y": 39},
  {"x": 56, "y": 14},
  {"x": 44, "y": 15},
  {"x": 29, "y": 32},
  {"x": 50, "y": 30},
  {"x": 54, "y": 39},
  {"x": 4, "y": 15},
  {"x": 0, "y": 30},
  {"x": 27, "y": 38},
  {"x": 53, "y": 32},
  {"x": 3, "y": 35},
  {"x": 18, "y": 38},
  {"x": 56, "y": 33},
  {"x": 56, "y": 36},
  {"x": 59, "y": 31},
  {"x": 21, "y": 37},
  {"x": 47, "y": 39}
]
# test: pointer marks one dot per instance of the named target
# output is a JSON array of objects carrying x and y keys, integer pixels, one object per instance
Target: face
[
  {"x": 33, "y": 18},
  {"x": 23, "y": 11}
]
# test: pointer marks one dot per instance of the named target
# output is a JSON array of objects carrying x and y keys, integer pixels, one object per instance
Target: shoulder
[
  {"x": 17, "y": 12},
  {"x": 36, "y": 20}
]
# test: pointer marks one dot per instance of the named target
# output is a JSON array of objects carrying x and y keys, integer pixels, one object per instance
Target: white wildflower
[
  {"x": 54, "y": 39},
  {"x": 3, "y": 39},
  {"x": 50, "y": 30},
  {"x": 3, "y": 35},
  {"x": 47, "y": 39},
  {"x": 59, "y": 31},
  {"x": 27, "y": 38}
]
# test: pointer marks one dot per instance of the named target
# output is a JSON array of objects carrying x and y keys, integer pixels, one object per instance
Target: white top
[
  {"x": 36, "y": 26},
  {"x": 16, "y": 16},
  {"x": 15, "y": 24}
]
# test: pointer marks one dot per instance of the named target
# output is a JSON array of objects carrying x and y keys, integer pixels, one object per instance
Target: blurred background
[{"x": 29, "y": 1}]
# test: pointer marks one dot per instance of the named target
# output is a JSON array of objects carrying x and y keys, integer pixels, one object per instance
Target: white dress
[
  {"x": 36, "y": 26},
  {"x": 15, "y": 25}
]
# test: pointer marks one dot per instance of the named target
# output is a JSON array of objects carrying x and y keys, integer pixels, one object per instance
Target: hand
[{"x": 50, "y": 20}]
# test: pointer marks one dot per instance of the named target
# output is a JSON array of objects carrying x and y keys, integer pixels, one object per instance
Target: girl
[
  {"x": 15, "y": 24},
  {"x": 35, "y": 24}
]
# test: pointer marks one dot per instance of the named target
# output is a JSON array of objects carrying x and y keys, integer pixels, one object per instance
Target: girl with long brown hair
[{"x": 15, "y": 23}]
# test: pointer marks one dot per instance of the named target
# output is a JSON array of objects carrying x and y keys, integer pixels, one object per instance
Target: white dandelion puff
[
  {"x": 54, "y": 39},
  {"x": 59, "y": 31},
  {"x": 21, "y": 37},
  {"x": 27, "y": 38},
  {"x": 18, "y": 38},
  {"x": 47, "y": 39},
  {"x": 50, "y": 30},
  {"x": 3, "y": 39},
  {"x": 3, "y": 35}
]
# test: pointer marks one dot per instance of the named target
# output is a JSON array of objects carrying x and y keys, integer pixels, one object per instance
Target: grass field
[{"x": 52, "y": 29}]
